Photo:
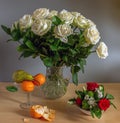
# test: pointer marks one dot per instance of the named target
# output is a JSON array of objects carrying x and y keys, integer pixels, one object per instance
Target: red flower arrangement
[
  {"x": 91, "y": 86},
  {"x": 93, "y": 99}
]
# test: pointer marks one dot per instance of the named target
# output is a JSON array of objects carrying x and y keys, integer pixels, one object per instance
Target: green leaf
[
  {"x": 92, "y": 113},
  {"x": 26, "y": 54},
  {"x": 109, "y": 96},
  {"x": 48, "y": 62},
  {"x": 56, "y": 57},
  {"x": 96, "y": 95},
  {"x": 30, "y": 45},
  {"x": 113, "y": 105},
  {"x": 73, "y": 51},
  {"x": 56, "y": 20},
  {"x": 85, "y": 104},
  {"x": 6, "y": 29},
  {"x": 80, "y": 94},
  {"x": 12, "y": 88},
  {"x": 71, "y": 101},
  {"x": 53, "y": 48},
  {"x": 16, "y": 35},
  {"x": 82, "y": 63},
  {"x": 51, "y": 40},
  {"x": 21, "y": 48},
  {"x": 65, "y": 58},
  {"x": 97, "y": 112},
  {"x": 74, "y": 70},
  {"x": 74, "y": 78}
]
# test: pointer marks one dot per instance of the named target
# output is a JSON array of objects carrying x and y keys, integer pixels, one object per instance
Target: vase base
[
  {"x": 52, "y": 97},
  {"x": 53, "y": 93}
]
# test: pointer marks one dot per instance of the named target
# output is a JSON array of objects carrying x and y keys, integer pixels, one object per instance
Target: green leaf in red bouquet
[{"x": 109, "y": 96}]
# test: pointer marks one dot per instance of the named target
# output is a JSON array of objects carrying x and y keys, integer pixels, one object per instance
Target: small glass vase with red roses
[{"x": 92, "y": 100}]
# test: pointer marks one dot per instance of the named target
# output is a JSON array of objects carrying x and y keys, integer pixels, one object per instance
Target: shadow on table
[{"x": 67, "y": 111}]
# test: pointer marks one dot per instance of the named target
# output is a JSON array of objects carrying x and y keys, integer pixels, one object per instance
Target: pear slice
[{"x": 21, "y": 75}]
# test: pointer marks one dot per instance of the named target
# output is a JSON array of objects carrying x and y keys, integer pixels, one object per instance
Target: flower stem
[{"x": 93, "y": 51}]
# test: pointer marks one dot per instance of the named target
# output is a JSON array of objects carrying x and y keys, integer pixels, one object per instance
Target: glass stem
[{"x": 29, "y": 98}]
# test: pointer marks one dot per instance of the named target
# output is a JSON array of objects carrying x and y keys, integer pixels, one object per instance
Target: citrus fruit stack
[{"x": 28, "y": 82}]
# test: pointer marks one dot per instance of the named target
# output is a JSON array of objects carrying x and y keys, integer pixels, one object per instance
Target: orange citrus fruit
[
  {"x": 39, "y": 79},
  {"x": 36, "y": 111},
  {"x": 39, "y": 111},
  {"x": 27, "y": 86}
]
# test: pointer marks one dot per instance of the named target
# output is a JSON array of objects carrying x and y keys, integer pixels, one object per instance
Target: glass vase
[{"x": 55, "y": 85}]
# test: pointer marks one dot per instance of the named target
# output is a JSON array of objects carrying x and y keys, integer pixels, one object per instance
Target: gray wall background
[{"x": 106, "y": 15}]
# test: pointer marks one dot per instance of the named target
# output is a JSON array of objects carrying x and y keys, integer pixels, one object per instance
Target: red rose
[
  {"x": 104, "y": 104},
  {"x": 91, "y": 86},
  {"x": 78, "y": 101}
]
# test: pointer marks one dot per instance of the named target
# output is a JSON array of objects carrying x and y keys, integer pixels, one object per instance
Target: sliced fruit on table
[
  {"x": 38, "y": 111},
  {"x": 49, "y": 114}
]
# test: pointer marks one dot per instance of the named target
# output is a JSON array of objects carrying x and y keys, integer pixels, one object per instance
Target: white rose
[
  {"x": 102, "y": 50},
  {"x": 52, "y": 13},
  {"x": 80, "y": 21},
  {"x": 41, "y": 27},
  {"x": 62, "y": 31},
  {"x": 25, "y": 22},
  {"x": 76, "y": 14},
  {"x": 92, "y": 35},
  {"x": 90, "y": 23},
  {"x": 40, "y": 13},
  {"x": 66, "y": 16}
]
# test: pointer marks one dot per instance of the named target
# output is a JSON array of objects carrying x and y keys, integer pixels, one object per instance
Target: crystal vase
[{"x": 55, "y": 85}]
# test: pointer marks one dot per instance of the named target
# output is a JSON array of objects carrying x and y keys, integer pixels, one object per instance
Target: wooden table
[{"x": 10, "y": 112}]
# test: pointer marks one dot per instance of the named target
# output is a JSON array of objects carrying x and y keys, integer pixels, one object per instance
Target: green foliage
[
  {"x": 96, "y": 112},
  {"x": 80, "y": 94},
  {"x": 85, "y": 105},
  {"x": 6, "y": 29},
  {"x": 56, "y": 20},
  {"x": 51, "y": 50}
]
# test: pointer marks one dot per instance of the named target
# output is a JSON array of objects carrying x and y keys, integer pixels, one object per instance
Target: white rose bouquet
[{"x": 58, "y": 38}]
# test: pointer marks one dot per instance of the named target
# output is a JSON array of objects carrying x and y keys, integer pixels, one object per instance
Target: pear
[{"x": 21, "y": 75}]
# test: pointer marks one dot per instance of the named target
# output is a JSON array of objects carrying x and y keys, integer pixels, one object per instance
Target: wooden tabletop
[{"x": 10, "y": 112}]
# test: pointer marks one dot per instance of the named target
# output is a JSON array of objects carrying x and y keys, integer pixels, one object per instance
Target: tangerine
[
  {"x": 36, "y": 111},
  {"x": 39, "y": 79},
  {"x": 27, "y": 86}
]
